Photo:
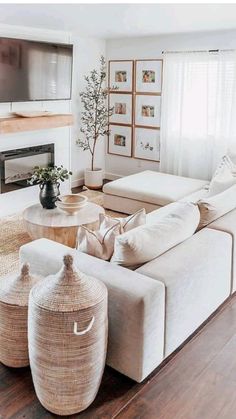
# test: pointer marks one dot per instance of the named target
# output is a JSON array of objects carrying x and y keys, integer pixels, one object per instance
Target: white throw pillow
[
  {"x": 216, "y": 206},
  {"x": 99, "y": 243},
  {"x": 149, "y": 241},
  {"x": 132, "y": 221},
  {"x": 224, "y": 177}
]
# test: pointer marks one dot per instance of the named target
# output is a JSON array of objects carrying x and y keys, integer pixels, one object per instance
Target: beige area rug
[{"x": 13, "y": 235}]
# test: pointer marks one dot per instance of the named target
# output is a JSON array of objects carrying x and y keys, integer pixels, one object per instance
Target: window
[{"x": 198, "y": 112}]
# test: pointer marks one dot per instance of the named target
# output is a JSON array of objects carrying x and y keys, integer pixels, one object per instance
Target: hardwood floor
[
  {"x": 198, "y": 382},
  {"x": 79, "y": 189}
]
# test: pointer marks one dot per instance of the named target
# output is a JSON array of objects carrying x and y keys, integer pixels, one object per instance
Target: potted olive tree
[{"x": 94, "y": 121}]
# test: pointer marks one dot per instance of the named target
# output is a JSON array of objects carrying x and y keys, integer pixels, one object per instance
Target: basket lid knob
[
  {"x": 69, "y": 272},
  {"x": 24, "y": 271},
  {"x": 68, "y": 262}
]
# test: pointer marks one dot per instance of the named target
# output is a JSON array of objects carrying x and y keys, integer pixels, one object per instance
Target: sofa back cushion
[
  {"x": 216, "y": 206},
  {"x": 144, "y": 243},
  {"x": 224, "y": 176}
]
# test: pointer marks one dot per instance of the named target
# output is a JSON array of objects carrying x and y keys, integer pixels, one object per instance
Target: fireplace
[{"x": 16, "y": 166}]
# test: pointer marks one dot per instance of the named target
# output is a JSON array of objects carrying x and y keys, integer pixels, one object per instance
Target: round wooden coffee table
[{"x": 55, "y": 224}]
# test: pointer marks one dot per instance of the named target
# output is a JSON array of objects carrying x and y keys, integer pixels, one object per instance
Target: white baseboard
[
  {"x": 107, "y": 175},
  {"x": 112, "y": 176},
  {"x": 77, "y": 182}
]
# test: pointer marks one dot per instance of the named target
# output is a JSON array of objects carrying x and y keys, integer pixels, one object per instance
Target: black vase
[{"x": 49, "y": 192}]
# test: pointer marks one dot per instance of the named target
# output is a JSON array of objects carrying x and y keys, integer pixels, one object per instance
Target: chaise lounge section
[{"x": 149, "y": 190}]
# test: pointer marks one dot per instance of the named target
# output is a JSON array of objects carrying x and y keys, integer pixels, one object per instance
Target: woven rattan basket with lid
[
  {"x": 67, "y": 339},
  {"x": 14, "y": 296}
]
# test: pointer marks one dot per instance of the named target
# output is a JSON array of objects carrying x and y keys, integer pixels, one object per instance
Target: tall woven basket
[
  {"x": 14, "y": 296},
  {"x": 67, "y": 339}
]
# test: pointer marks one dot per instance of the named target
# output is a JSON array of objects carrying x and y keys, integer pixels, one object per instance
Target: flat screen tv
[{"x": 31, "y": 70}]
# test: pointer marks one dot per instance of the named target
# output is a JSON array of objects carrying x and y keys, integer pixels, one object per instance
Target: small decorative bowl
[{"x": 71, "y": 203}]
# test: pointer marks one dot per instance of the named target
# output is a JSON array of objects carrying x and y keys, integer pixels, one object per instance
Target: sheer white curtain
[{"x": 198, "y": 112}]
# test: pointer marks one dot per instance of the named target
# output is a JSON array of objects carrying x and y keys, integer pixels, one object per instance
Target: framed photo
[
  {"x": 120, "y": 140},
  {"x": 121, "y": 76},
  {"x": 147, "y": 144},
  {"x": 148, "y": 110},
  {"x": 148, "y": 76},
  {"x": 122, "y": 104}
]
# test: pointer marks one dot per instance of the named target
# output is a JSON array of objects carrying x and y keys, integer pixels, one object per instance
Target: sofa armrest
[
  {"x": 136, "y": 306},
  {"x": 227, "y": 223},
  {"x": 197, "y": 279}
]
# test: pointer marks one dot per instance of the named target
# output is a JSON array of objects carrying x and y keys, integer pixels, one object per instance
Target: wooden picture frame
[
  {"x": 123, "y": 108},
  {"x": 120, "y": 140},
  {"x": 135, "y": 125},
  {"x": 147, "y": 111},
  {"x": 121, "y": 76},
  {"x": 146, "y": 144},
  {"x": 148, "y": 76}
]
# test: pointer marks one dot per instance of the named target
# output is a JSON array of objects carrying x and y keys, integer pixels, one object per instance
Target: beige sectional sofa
[{"x": 155, "y": 308}]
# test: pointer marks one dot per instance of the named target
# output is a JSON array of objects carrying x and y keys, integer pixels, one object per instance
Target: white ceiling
[{"x": 121, "y": 20}]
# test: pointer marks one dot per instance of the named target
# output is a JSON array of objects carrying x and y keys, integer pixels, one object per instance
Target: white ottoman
[{"x": 149, "y": 190}]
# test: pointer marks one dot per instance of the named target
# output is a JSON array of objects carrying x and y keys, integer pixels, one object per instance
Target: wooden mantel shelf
[{"x": 18, "y": 123}]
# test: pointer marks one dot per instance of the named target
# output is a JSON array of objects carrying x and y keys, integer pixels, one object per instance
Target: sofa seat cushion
[
  {"x": 153, "y": 187},
  {"x": 197, "y": 278}
]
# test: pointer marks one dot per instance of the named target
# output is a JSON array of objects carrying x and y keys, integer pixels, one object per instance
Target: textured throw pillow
[
  {"x": 99, "y": 243},
  {"x": 132, "y": 221},
  {"x": 224, "y": 177},
  {"x": 149, "y": 241},
  {"x": 216, "y": 206}
]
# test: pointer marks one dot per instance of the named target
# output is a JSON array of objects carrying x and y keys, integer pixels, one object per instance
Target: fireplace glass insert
[{"x": 16, "y": 166}]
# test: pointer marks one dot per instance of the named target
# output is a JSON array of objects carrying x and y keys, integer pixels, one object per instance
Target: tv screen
[{"x": 32, "y": 70}]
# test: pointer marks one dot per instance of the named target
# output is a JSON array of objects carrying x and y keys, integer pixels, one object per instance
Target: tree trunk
[
  {"x": 93, "y": 153},
  {"x": 92, "y": 165}
]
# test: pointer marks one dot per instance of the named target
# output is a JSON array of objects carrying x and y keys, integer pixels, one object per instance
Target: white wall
[
  {"x": 87, "y": 52},
  {"x": 152, "y": 47}
]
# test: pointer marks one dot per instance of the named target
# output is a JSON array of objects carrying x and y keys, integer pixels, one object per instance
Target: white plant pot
[{"x": 93, "y": 179}]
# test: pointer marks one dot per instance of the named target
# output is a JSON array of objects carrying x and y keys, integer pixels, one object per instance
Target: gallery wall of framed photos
[{"x": 135, "y": 88}]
